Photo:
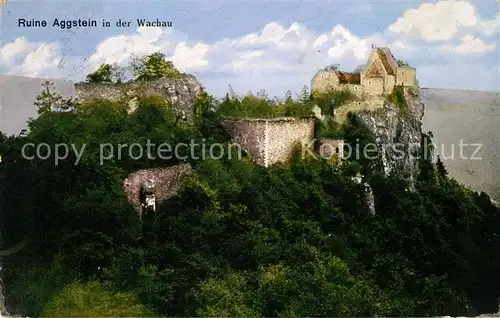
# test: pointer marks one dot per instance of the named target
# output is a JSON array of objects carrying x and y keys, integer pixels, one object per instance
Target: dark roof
[
  {"x": 386, "y": 58},
  {"x": 349, "y": 78}
]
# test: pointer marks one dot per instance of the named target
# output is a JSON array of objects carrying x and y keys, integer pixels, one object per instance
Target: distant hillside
[
  {"x": 17, "y": 95},
  {"x": 474, "y": 117},
  {"x": 450, "y": 114}
]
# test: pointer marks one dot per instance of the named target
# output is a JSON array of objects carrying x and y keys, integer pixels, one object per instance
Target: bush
[
  {"x": 92, "y": 300},
  {"x": 328, "y": 101},
  {"x": 398, "y": 98}
]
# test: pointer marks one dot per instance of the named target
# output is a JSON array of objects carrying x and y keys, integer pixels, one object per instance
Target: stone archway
[{"x": 145, "y": 189}]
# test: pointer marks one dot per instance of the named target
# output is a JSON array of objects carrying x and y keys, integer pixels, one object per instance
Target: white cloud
[
  {"x": 345, "y": 42},
  {"x": 490, "y": 27},
  {"x": 19, "y": 46},
  {"x": 187, "y": 57},
  {"x": 32, "y": 59},
  {"x": 119, "y": 49},
  {"x": 44, "y": 58},
  {"x": 277, "y": 57},
  {"x": 436, "y": 22},
  {"x": 471, "y": 45}
]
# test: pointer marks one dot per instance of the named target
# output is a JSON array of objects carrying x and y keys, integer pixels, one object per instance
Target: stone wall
[
  {"x": 323, "y": 81},
  {"x": 327, "y": 148},
  {"x": 406, "y": 76},
  {"x": 181, "y": 93},
  {"x": 163, "y": 182},
  {"x": 370, "y": 105},
  {"x": 270, "y": 141},
  {"x": 390, "y": 81},
  {"x": 356, "y": 90},
  {"x": 250, "y": 135},
  {"x": 374, "y": 85},
  {"x": 283, "y": 135}
]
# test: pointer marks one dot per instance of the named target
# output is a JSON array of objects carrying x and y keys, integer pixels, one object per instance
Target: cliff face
[
  {"x": 180, "y": 92},
  {"x": 398, "y": 134}
]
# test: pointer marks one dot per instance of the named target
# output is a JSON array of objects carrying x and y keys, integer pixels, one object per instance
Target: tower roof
[{"x": 388, "y": 60}]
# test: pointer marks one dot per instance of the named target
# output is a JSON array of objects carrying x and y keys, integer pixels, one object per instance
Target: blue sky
[{"x": 255, "y": 45}]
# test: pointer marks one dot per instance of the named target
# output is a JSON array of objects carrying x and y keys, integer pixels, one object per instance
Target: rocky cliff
[
  {"x": 397, "y": 133},
  {"x": 180, "y": 92}
]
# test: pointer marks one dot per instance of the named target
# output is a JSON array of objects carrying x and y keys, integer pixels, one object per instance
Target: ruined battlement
[
  {"x": 270, "y": 141},
  {"x": 378, "y": 77},
  {"x": 181, "y": 93}
]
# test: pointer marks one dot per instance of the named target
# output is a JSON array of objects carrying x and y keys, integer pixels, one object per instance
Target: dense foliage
[
  {"x": 402, "y": 63},
  {"x": 397, "y": 98},
  {"x": 238, "y": 240},
  {"x": 143, "y": 68},
  {"x": 261, "y": 105}
]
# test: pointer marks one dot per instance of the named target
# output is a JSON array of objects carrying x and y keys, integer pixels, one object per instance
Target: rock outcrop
[
  {"x": 398, "y": 134},
  {"x": 181, "y": 93}
]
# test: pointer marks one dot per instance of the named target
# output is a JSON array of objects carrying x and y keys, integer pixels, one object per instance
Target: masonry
[
  {"x": 270, "y": 141},
  {"x": 378, "y": 77},
  {"x": 163, "y": 182},
  {"x": 181, "y": 93}
]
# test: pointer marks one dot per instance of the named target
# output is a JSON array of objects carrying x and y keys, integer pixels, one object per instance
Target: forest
[{"x": 296, "y": 239}]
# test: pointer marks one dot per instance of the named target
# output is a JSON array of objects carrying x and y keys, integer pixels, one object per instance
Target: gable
[
  {"x": 322, "y": 75},
  {"x": 386, "y": 58},
  {"x": 376, "y": 70}
]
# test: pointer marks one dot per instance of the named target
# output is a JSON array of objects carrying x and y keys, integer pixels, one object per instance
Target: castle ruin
[
  {"x": 181, "y": 93},
  {"x": 378, "y": 77},
  {"x": 270, "y": 141}
]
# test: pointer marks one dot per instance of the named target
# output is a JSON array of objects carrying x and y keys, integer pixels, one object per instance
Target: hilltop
[
  {"x": 449, "y": 113},
  {"x": 200, "y": 234}
]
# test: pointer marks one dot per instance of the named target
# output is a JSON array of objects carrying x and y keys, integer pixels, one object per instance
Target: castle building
[{"x": 378, "y": 77}]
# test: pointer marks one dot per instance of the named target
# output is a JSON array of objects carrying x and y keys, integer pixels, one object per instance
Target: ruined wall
[
  {"x": 270, "y": 141},
  {"x": 390, "y": 81},
  {"x": 372, "y": 104},
  {"x": 356, "y": 90},
  {"x": 374, "y": 85},
  {"x": 327, "y": 148},
  {"x": 250, "y": 135},
  {"x": 164, "y": 182},
  {"x": 181, "y": 93},
  {"x": 324, "y": 80},
  {"x": 283, "y": 135},
  {"x": 406, "y": 76}
]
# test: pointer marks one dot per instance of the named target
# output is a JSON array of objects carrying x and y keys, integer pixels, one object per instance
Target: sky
[{"x": 252, "y": 45}]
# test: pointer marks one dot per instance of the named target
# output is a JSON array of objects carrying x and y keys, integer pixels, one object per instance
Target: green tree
[
  {"x": 288, "y": 97},
  {"x": 332, "y": 67},
  {"x": 305, "y": 96},
  {"x": 101, "y": 75},
  {"x": 402, "y": 63},
  {"x": 153, "y": 66},
  {"x": 106, "y": 73},
  {"x": 293, "y": 239},
  {"x": 92, "y": 300},
  {"x": 49, "y": 100}
]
